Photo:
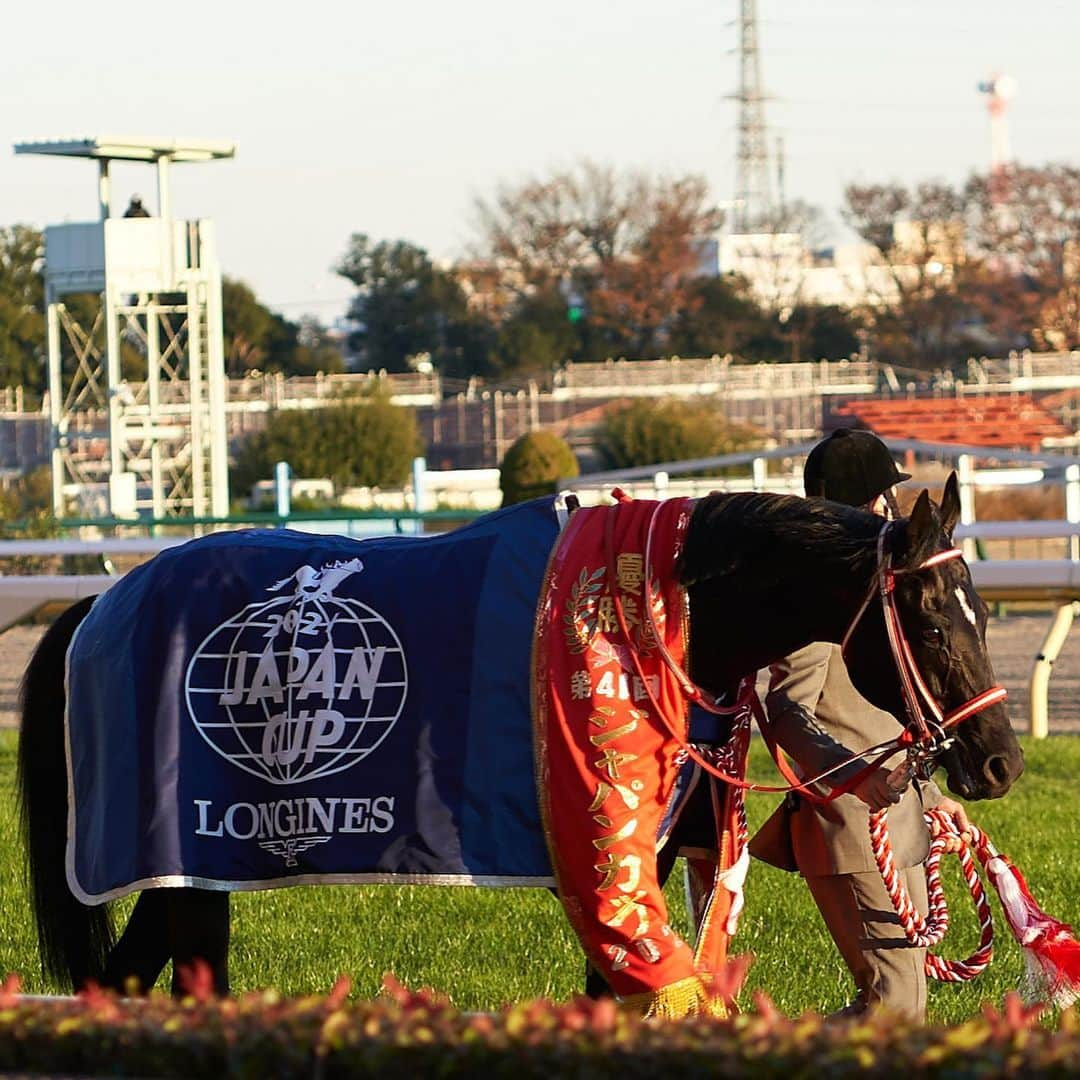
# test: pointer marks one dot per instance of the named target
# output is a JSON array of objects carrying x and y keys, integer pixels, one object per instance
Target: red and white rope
[{"x": 927, "y": 932}]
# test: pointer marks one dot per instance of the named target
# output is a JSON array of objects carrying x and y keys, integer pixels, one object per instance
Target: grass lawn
[{"x": 487, "y": 947}]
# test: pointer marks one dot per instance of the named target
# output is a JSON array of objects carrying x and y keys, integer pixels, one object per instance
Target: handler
[{"x": 819, "y": 718}]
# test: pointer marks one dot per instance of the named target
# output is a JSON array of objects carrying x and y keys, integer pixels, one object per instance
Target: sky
[{"x": 393, "y": 118}]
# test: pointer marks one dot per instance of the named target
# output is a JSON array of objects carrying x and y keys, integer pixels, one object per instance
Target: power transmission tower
[{"x": 753, "y": 183}]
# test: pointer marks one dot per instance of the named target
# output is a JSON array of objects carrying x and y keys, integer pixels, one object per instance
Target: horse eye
[{"x": 933, "y": 635}]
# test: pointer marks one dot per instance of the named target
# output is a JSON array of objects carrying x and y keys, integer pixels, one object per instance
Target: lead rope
[
  {"x": 929, "y": 931},
  {"x": 1049, "y": 946}
]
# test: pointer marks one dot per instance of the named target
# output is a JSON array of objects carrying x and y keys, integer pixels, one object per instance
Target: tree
[
  {"x": 365, "y": 441},
  {"x": 533, "y": 466},
  {"x": 315, "y": 350},
  {"x": 647, "y": 432},
  {"x": 724, "y": 319},
  {"x": 536, "y": 336},
  {"x": 919, "y": 283},
  {"x": 1027, "y": 231},
  {"x": 776, "y": 256},
  {"x": 257, "y": 338},
  {"x": 406, "y": 306},
  {"x": 820, "y": 331},
  {"x": 22, "y": 319},
  {"x": 621, "y": 249}
]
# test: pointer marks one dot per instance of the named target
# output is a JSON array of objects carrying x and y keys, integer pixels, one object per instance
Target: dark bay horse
[{"x": 765, "y": 574}]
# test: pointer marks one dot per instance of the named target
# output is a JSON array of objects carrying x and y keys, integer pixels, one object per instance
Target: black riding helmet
[{"x": 852, "y": 467}]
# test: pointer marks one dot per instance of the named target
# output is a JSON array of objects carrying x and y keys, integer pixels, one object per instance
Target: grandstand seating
[{"x": 1014, "y": 421}]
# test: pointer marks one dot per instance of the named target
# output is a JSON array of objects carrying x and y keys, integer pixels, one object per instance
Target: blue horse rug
[{"x": 269, "y": 707}]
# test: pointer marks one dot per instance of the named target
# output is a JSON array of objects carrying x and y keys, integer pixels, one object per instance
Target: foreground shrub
[{"x": 406, "y": 1033}]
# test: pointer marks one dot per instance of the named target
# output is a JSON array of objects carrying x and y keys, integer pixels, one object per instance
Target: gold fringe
[{"x": 687, "y": 997}]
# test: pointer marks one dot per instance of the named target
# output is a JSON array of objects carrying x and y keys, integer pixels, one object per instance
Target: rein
[
  {"x": 747, "y": 703},
  {"x": 913, "y": 687},
  {"x": 923, "y": 739},
  {"x": 1051, "y": 950}
]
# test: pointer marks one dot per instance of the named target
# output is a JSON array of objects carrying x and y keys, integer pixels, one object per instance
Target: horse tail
[{"x": 74, "y": 939}]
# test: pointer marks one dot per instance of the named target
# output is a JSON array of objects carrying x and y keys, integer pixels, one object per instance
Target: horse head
[{"x": 944, "y": 620}]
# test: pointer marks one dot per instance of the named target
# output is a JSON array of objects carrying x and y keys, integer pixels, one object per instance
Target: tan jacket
[{"x": 819, "y": 717}]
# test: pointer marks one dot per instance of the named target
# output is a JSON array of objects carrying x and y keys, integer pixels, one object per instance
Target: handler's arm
[{"x": 795, "y": 686}]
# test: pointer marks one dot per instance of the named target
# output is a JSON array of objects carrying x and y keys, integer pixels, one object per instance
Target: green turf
[{"x": 486, "y": 947}]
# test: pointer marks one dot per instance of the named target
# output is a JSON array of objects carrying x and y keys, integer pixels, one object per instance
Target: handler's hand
[
  {"x": 951, "y": 808},
  {"x": 877, "y": 792}
]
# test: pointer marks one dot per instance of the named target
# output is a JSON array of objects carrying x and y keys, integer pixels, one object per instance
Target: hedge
[{"x": 410, "y": 1033}]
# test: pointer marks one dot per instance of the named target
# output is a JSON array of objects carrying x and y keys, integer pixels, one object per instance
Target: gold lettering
[
  {"x": 625, "y": 906},
  {"x": 606, "y": 620},
  {"x": 602, "y": 843},
  {"x": 600, "y": 740},
  {"x": 630, "y": 571},
  {"x": 612, "y": 760},
  {"x": 613, "y": 865},
  {"x": 602, "y": 792}
]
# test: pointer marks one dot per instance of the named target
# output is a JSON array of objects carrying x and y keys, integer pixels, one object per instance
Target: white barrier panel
[
  {"x": 1018, "y": 530},
  {"x": 1027, "y": 579},
  {"x": 1053, "y": 580},
  {"x": 1056, "y": 580},
  {"x": 22, "y": 596},
  {"x": 139, "y": 545}
]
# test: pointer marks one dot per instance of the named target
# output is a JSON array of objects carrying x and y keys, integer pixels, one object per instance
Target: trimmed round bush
[{"x": 534, "y": 465}]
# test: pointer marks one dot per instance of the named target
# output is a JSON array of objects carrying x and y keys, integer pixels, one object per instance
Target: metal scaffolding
[{"x": 136, "y": 369}]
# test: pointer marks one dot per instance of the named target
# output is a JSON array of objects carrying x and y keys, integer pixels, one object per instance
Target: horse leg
[
  {"x": 143, "y": 949},
  {"x": 198, "y": 930}
]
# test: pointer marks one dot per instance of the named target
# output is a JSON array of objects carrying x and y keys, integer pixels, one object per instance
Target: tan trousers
[{"x": 887, "y": 970}]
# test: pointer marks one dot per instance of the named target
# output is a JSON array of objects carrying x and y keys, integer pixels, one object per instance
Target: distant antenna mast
[
  {"x": 999, "y": 90},
  {"x": 781, "y": 197},
  {"x": 753, "y": 186}
]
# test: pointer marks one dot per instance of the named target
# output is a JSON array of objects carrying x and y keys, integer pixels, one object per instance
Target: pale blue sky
[{"x": 390, "y": 118}]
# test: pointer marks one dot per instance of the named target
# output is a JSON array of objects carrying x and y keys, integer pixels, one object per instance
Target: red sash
[{"x": 606, "y": 766}]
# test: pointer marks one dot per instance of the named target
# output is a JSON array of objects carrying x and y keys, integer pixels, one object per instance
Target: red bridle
[
  {"x": 918, "y": 733},
  {"x": 917, "y": 696}
]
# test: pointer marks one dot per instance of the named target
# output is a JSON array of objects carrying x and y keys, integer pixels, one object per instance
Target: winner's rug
[{"x": 269, "y": 707}]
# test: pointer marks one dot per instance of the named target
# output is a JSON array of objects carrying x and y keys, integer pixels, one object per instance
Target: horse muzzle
[{"x": 997, "y": 774}]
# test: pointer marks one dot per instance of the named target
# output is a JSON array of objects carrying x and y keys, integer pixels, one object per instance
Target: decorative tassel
[
  {"x": 1051, "y": 951},
  {"x": 687, "y": 997}
]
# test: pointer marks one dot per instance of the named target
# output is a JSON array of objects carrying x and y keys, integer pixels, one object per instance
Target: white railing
[{"x": 1054, "y": 581}]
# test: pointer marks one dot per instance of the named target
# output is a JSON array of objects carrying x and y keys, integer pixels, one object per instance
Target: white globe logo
[{"x": 300, "y": 686}]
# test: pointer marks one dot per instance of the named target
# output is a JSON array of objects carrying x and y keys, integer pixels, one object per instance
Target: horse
[{"x": 763, "y": 575}]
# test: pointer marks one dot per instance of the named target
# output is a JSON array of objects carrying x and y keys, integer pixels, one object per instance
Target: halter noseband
[{"x": 914, "y": 690}]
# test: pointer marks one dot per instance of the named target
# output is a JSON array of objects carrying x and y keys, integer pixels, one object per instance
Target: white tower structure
[
  {"x": 159, "y": 287},
  {"x": 999, "y": 92}
]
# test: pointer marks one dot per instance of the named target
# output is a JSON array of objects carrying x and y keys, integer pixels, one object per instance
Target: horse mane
[{"x": 775, "y": 535}]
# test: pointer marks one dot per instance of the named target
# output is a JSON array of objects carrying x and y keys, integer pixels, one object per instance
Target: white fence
[{"x": 1054, "y": 581}]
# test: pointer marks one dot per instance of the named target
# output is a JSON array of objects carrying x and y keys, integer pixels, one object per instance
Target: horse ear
[
  {"x": 923, "y": 530},
  {"x": 950, "y": 505}
]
